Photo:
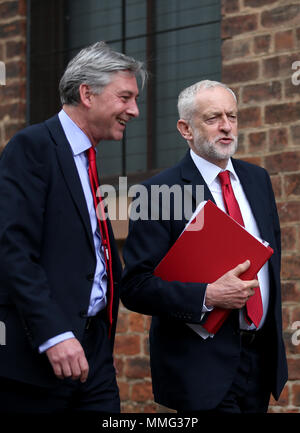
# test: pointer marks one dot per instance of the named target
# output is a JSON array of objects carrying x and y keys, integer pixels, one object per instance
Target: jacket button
[{"x": 90, "y": 277}]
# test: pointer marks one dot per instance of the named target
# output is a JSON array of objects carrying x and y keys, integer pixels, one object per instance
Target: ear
[
  {"x": 85, "y": 95},
  {"x": 185, "y": 129}
]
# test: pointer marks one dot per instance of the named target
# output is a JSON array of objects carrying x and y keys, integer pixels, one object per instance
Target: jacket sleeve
[
  {"x": 148, "y": 241},
  {"x": 274, "y": 213},
  {"x": 24, "y": 180}
]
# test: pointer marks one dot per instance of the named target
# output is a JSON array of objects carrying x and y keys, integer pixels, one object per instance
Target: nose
[
  {"x": 133, "y": 109},
  {"x": 225, "y": 124}
]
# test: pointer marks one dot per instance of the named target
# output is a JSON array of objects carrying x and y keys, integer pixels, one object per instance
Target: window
[{"x": 179, "y": 41}]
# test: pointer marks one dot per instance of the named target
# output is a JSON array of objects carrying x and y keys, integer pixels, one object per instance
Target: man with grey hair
[
  {"x": 59, "y": 265},
  {"x": 194, "y": 368}
]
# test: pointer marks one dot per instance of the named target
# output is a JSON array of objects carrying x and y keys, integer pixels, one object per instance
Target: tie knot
[
  {"x": 91, "y": 154},
  {"x": 224, "y": 178}
]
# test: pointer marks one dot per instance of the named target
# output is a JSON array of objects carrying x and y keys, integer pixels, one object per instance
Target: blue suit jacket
[
  {"x": 189, "y": 373},
  {"x": 47, "y": 257}
]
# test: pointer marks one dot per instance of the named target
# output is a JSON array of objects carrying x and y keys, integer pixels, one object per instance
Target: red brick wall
[
  {"x": 13, "y": 54},
  {"x": 132, "y": 360},
  {"x": 261, "y": 40}
]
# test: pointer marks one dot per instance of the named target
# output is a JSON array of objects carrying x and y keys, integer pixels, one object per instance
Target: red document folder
[{"x": 211, "y": 245}]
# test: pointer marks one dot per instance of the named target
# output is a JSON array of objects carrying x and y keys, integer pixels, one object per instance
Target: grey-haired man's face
[
  {"x": 214, "y": 125},
  {"x": 111, "y": 109}
]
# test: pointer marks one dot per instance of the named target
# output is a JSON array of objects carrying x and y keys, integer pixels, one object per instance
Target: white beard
[{"x": 213, "y": 150}]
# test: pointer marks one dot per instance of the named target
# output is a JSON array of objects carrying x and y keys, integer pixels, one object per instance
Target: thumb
[{"x": 242, "y": 267}]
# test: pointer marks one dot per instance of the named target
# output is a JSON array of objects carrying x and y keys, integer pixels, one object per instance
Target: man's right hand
[
  {"x": 68, "y": 360},
  {"x": 229, "y": 291}
]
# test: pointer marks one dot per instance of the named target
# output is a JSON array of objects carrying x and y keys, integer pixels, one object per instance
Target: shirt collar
[
  {"x": 78, "y": 140},
  {"x": 210, "y": 171}
]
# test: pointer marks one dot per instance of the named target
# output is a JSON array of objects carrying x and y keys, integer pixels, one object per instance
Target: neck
[
  {"x": 222, "y": 163},
  {"x": 76, "y": 114}
]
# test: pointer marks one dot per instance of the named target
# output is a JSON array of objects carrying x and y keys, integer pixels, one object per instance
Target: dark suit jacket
[
  {"x": 47, "y": 256},
  {"x": 190, "y": 373}
]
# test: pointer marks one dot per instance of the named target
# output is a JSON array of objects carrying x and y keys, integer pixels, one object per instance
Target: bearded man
[{"x": 230, "y": 371}]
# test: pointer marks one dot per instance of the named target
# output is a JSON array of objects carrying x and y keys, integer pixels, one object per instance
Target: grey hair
[
  {"x": 186, "y": 98},
  {"x": 95, "y": 66}
]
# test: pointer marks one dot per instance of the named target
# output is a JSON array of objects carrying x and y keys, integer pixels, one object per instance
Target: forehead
[
  {"x": 123, "y": 81},
  {"x": 215, "y": 99}
]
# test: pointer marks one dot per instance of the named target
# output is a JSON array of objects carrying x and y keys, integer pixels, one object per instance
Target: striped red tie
[{"x": 98, "y": 203}]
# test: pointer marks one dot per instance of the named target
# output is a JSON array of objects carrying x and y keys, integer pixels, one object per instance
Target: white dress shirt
[
  {"x": 79, "y": 143},
  {"x": 210, "y": 173}
]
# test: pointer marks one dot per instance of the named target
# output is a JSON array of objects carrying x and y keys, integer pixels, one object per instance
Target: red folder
[{"x": 211, "y": 245}]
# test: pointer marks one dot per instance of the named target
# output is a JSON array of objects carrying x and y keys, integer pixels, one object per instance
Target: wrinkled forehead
[{"x": 215, "y": 99}]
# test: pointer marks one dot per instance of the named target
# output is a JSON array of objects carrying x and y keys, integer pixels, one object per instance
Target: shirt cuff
[
  {"x": 55, "y": 340},
  {"x": 206, "y": 309}
]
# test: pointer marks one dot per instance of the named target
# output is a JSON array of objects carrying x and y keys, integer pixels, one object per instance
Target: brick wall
[
  {"x": 13, "y": 54},
  {"x": 261, "y": 40}
]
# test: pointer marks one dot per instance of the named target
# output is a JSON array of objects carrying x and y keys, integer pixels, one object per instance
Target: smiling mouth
[{"x": 122, "y": 122}]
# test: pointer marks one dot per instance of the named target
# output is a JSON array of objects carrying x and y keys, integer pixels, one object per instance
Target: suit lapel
[
  {"x": 255, "y": 197},
  {"x": 69, "y": 170},
  {"x": 191, "y": 175}
]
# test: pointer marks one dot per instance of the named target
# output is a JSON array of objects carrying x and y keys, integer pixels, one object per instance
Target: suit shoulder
[
  {"x": 30, "y": 139},
  {"x": 35, "y": 131},
  {"x": 32, "y": 145},
  {"x": 249, "y": 167}
]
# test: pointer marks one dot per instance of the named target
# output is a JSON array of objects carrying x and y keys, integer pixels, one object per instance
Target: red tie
[
  {"x": 98, "y": 203},
  {"x": 254, "y": 308}
]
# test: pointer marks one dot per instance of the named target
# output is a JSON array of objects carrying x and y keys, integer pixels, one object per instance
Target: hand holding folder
[{"x": 212, "y": 244}]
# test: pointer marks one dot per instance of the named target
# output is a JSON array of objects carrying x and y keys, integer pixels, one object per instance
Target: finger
[
  {"x": 251, "y": 293},
  {"x": 58, "y": 371},
  {"x": 252, "y": 284},
  {"x": 75, "y": 369},
  {"x": 84, "y": 367},
  {"x": 242, "y": 267},
  {"x": 77, "y": 365},
  {"x": 66, "y": 369}
]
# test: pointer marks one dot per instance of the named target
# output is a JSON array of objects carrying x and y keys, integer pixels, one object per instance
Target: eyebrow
[
  {"x": 128, "y": 92},
  {"x": 217, "y": 113}
]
